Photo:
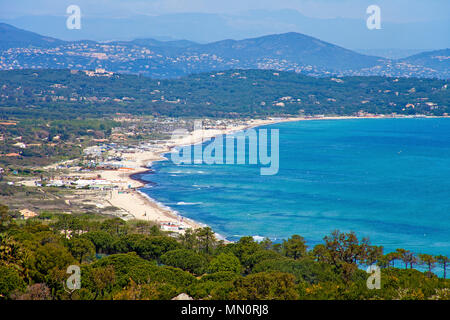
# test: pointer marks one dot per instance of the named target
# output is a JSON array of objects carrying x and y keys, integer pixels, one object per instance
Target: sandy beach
[{"x": 139, "y": 205}]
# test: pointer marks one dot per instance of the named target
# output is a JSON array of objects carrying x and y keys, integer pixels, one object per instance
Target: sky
[
  {"x": 405, "y": 24},
  {"x": 399, "y": 11}
]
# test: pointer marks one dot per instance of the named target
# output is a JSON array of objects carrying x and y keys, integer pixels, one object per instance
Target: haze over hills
[
  {"x": 210, "y": 27},
  {"x": 438, "y": 60},
  {"x": 12, "y": 37},
  {"x": 167, "y": 59}
]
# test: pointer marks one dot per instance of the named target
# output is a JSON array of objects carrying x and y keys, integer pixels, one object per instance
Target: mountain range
[
  {"x": 21, "y": 49},
  {"x": 211, "y": 27},
  {"x": 12, "y": 37}
]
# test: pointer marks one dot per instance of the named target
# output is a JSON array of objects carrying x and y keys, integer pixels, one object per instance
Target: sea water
[{"x": 386, "y": 179}]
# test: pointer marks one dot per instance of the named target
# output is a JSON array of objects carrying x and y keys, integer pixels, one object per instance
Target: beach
[{"x": 137, "y": 204}]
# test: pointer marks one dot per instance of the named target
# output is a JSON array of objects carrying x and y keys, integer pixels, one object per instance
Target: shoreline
[
  {"x": 143, "y": 207},
  {"x": 192, "y": 138}
]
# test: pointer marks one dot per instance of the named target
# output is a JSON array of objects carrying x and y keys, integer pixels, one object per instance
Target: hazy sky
[{"x": 392, "y": 10}]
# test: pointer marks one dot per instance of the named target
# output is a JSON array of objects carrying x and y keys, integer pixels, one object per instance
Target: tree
[
  {"x": 81, "y": 248},
  {"x": 266, "y": 244},
  {"x": 321, "y": 254},
  {"x": 189, "y": 239},
  {"x": 244, "y": 250},
  {"x": 407, "y": 257},
  {"x": 102, "y": 240},
  {"x": 125, "y": 265},
  {"x": 37, "y": 291},
  {"x": 145, "y": 227},
  {"x": 304, "y": 270},
  {"x": 345, "y": 251},
  {"x": 428, "y": 260},
  {"x": 253, "y": 259},
  {"x": 444, "y": 261},
  {"x": 5, "y": 217},
  {"x": 147, "y": 291},
  {"x": 225, "y": 262},
  {"x": 344, "y": 247},
  {"x": 186, "y": 260},
  {"x": 13, "y": 254},
  {"x": 206, "y": 239},
  {"x": 103, "y": 280},
  {"x": 115, "y": 226},
  {"x": 265, "y": 286},
  {"x": 50, "y": 256},
  {"x": 412, "y": 259},
  {"x": 400, "y": 254},
  {"x": 391, "y": 257},
  {"x": 294, "y": 247},
  {"x": 67, "y": 224},
  {"x": 154, "y": 247},
  {"x": 10, "y": 281},
  {"x": 373, "y": 254}
]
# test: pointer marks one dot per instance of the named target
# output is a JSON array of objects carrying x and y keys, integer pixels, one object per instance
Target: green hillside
[{"x": 234, "y": 93}]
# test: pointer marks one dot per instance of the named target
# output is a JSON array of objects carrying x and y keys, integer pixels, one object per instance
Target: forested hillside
[
  {"x": 135, "y": 260},
  {"x": 62, "y": 94}
]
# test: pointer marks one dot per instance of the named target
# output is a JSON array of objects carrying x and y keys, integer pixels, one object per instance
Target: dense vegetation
[
  {"x": 60, "y": 94},
  {"x": 135, "y": 260},
  {"x": 39, "y": 142}
]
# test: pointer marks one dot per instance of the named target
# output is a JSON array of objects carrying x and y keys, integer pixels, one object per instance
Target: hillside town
[{"x": 159, "y": 62}]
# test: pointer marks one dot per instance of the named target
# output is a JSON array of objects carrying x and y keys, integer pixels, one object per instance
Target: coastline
[
  {"x": 133, "y": 200},
  {"x": 142, "y": 207}
]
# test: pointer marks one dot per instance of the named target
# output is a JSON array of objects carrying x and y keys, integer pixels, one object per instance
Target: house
[
  {"x": 8, "y": 123},
  {"x": 169, "y": 227},
  {"x": 20, "y": 145},
  {"x": 26, "y": 214}
]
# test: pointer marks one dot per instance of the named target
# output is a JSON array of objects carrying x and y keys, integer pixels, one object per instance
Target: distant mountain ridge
[
  {"x": 12, "y": 37},
  {"x": 437, "y": 60},
  {"x": 292, "y": 46},
  {"x": 211, "y": 27},
  {"x": 167, "y": 59}
]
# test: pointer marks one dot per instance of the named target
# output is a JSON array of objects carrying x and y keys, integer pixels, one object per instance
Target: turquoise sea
[{"x": 386, "y": 179}]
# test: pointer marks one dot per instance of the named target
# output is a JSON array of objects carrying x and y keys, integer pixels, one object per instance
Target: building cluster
[
  {"x": 98, "y": 72},
  {"x": 79, "y": 182},
  {"x": 155, "y": 62}
]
